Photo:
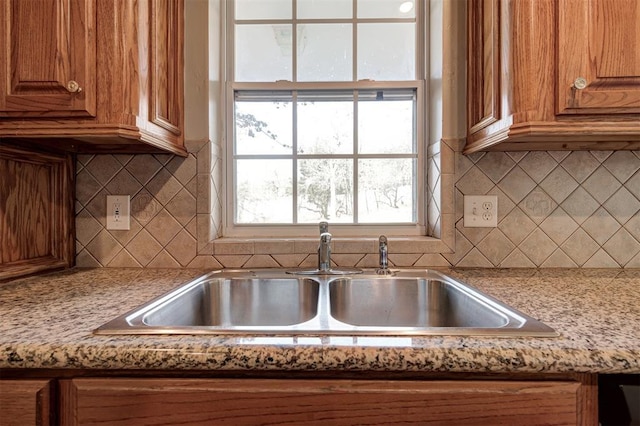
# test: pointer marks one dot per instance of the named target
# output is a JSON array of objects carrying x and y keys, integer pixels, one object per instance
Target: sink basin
[
  {"x": 410, "y": 302},
  {"x": 238, "y": 302},
  {"x": 407, "y": 302}
]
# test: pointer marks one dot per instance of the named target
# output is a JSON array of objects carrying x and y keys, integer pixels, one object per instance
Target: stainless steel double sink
[{"x": 405, "y": 302}]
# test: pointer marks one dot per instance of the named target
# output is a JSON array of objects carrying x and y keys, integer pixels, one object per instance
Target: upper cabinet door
[
  {"x": 599, "y": 56},
  {"x": 167, "y": 58},
  {"x": 47, "y": 58}
]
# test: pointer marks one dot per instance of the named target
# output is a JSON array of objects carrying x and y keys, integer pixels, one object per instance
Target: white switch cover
[
  {"x": 480, "y": 211},
  {"x": 118, "y": 208}
]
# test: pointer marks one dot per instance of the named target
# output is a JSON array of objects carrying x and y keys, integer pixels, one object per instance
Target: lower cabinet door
[
  {"x": 319, "y": 402},
  {"x": 25, "y": 402}
]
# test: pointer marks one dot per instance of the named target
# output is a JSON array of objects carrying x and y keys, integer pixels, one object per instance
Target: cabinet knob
[
  {"x": 73, "y": 87},
  {"x": 580, "y": 83}
]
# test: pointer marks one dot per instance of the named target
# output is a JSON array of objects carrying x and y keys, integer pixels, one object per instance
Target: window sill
[{"x": 306, "y": 245}]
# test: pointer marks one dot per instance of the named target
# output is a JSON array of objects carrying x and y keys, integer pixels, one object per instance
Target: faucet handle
[{"x": 324, "y": 227}]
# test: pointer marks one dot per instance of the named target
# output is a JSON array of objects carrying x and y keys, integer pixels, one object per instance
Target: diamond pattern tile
[
  {"x": 559, "y": 226},
  {"x": 183, "y": 169},
  {"x": 143, "y": 167},
  {"x": 556, "y": 209},
  {"x": 601, "y": 226},
  {"x": 164, "y": 186},
  {"x": 538, "y": 205},
  {"x": 86, "y": 187},
  {"x": 143, "y": 247},
  {"x": 496, "y": 165},
  {"x": 517, "y": 259},
  {"x": 622, "y": 247},
  {"x": 580, "y": 205},
  {"x": 537, "y": 246},
  {"x": 580, "y": 247},
  {"x": 182, "y": 207},
  {"x": 474, "y": 182},
  {"x": 601, "y": 184},
  {"x": 496, "y": 246},
  {"x": 559, "y": 184},
  {"x": 622, "y": 164},
  {"x": 123, "y": 184},
  {"x": 517, "y": 184},
  {"x": 517, "y": 225},
  {"x": 538, "y": 165},
  {"x": 633, "y": 226},
  {"x": 580, "y": 165},
  {"x": 103, "y": 167},
  {"x": 559, "y": 259},
  {"x": 601, "y": 260},
  {"x": 182, "y": 248},
  {"x": 163, "y": 227},
  {"x": 623, "y": 205},
  {"x": 633, "y": 185}
]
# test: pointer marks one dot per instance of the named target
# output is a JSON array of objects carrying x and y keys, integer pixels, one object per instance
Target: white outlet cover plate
[
  {"x": 121, "y": 220},
  {"x": 479, "y": 214}
]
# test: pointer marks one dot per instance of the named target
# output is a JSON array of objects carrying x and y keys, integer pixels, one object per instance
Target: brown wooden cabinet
[
  {"x": 338, "y": 402},
  {"x": 25, "y": 402},
  {"x": 93, "y": 75},
  {"x": 553, "y": 75},
  {"x": 37, "y": 216}
]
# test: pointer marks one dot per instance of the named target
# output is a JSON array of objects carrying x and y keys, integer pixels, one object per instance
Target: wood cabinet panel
[
  {"x": 339, "y": 402},
  {"x": 36, "y": 211},
  {"x": 599, "y": 41},
  {"x": 25, "y": 402},
  {"x": 47, "y": 46},
  {"x": 127, "y": 58},
  {"x": 484, "y": 69},
  {"x": 165, "y": 45},
  {"x": 569, "y": 75}
]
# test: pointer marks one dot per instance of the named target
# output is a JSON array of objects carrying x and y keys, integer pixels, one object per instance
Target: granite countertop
[{"x": 47, "y": 322}]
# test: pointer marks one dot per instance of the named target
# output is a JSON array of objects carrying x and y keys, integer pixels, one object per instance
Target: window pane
[
  {"x": 386, "y": 9},
  {"x": 324, "y": 52},
  {"x": 386, "y": 190},
  {"x": 263, "y": 52},
  {"x": 325, "y": 127},
  {"x": 391, "y": 57},
  {"x": 325, "y": 190},
  {"x": 263, "y": 9},
  {"x": 263, "y": 128},
  {"x": 322, "y": 9},
  {"x": 385, "y": 126},
  {"x": 264, "y": 191}
]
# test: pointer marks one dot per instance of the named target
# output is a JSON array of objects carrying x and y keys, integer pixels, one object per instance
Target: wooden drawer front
[
  {"x": 25, "y": 402},
  {"x": 335, "y": 402}
]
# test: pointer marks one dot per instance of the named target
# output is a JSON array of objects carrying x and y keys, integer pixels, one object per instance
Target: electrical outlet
[
  {"x": 118, "y": 212},
  {"x": 480, "y": 211}
]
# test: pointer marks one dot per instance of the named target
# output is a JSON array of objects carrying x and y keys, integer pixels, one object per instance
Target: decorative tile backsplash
[{"x": 555, "y": 209}]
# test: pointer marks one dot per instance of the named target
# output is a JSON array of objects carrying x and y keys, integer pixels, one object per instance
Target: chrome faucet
[
  {"x": 384, "y": 256},
  {"x": 324, "y": 253},
  {"x": 324, "y": 258},
  {"x": 324, "y": 227}
]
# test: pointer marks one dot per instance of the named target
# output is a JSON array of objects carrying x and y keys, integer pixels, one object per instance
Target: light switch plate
[
  {"x": 480, "y": 211},
  {"x": 118, "y": 212}
]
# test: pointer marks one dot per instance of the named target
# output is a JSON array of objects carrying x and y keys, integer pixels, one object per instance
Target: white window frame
[{"x": 261, "y": 230}]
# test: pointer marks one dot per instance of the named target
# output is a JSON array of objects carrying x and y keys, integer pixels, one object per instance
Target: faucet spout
[
  {"x": 324, "y": 253},
  {"x": 384, "y": 256}
]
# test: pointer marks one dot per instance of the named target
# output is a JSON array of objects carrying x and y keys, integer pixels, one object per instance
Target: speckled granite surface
[{"x": 47, "y": 322}]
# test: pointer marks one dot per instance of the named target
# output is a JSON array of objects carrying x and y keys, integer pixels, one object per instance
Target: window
[{"x": 325, "y": 116}]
